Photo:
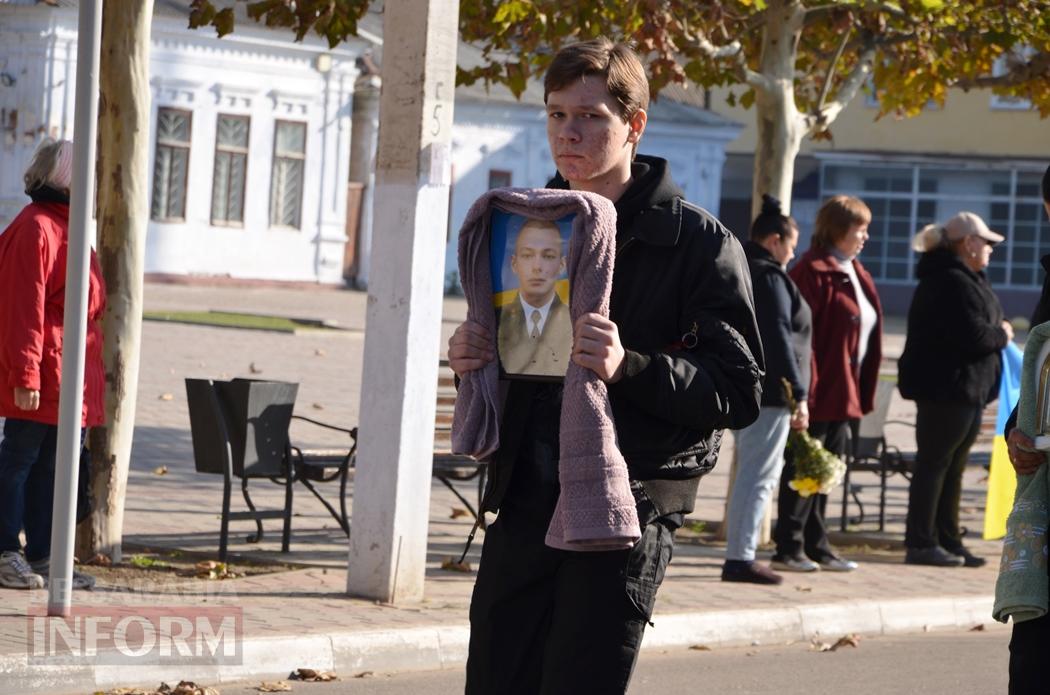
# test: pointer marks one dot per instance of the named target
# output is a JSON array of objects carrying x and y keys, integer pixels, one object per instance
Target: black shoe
[
  {"x": 935, "y": 556},
  {"x": 969, "y": 559},
  {"x": 749, "y": 572}
]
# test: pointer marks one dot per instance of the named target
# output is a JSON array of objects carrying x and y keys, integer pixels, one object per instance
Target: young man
[
  {"x": 535, "y": 331},
  {"x": 681, "y": 354}
]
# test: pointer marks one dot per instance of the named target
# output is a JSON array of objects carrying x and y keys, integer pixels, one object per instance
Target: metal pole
[{"x": 71, "y": 399}]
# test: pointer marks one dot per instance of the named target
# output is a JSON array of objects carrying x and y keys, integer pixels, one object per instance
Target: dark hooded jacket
[
  {"x": 786, "y": 325},
  {"x": 951, "y": 353},
  {"x": 682, "y": 302}
]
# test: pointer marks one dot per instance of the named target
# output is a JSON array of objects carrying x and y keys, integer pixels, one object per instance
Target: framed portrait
[{"x": 530, "y": 294}]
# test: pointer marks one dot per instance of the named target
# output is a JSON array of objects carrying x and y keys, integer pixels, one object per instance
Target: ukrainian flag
[{"x": 1002, "y": 482}]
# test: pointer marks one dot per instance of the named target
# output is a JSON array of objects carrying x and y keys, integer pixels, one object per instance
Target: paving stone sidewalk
[{"x": 302, "y": 617}]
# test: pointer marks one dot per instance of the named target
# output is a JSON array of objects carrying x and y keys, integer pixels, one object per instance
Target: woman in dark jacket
[
  {"x": 951, "y": 368},
  {"x": 847, "y": 350}
]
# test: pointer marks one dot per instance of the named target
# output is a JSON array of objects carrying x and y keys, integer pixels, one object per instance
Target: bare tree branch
[
  {"x": 733, "y": 51},
  {"x": 822, "y": 117},
  {"x": 831, "y": 70}
]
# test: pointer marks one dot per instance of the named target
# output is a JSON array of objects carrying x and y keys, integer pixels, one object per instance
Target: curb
[{"x": 445, "y": 646}]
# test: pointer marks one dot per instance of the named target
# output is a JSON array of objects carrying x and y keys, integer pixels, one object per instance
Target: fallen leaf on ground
[
  {"x": 453, "y": 566},
  {"x": 364, "y": 674},
  {"x": 183, "y": 688},
  {"x": 99, "y": 560},
  {"x": 318, "y": 406},
  {"x": 977, "y": 628},
  {"x": 846, "y": 641},
  {"x": 165, "y": 397},
  {"x": 160, "y": 470},
  {"x": 309, "y": 674},
  {"x": 274, "y": 687},
  {"x": 700, "y": 648},
  {"x": 193, "y": 689},
  {"x": 457, "y": 512},
  {"x": 817, "y": 645},
  {"x": 319, "y": 352},
  {"x": 253, "y": 369},
  {"x": 210, "y": 569},
  {"x": 803, "y": 588}
]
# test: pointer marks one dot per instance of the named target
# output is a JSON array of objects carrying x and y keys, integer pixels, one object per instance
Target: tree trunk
[
  {"x": 123, "y": 213},
  {"x": 780, "y": 126}
]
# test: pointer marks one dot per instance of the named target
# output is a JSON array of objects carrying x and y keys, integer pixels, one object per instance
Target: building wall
[
  {"x": 966, "y": 125},
  {"x": 268, "y": 81},
  {"x": 254, "y": 73},
  {"x": 37, "y": 76}
]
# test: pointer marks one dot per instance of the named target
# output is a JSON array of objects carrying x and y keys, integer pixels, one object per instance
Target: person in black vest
[
  {"x": 785, "y": 324},
  {"x": 951, "y": 368}
]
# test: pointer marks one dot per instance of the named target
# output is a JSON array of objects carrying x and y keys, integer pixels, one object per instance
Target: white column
[{"x": 392, "y": 483}]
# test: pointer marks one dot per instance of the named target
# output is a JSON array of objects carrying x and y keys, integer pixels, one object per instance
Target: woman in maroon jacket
[
  {"x": 32, "y": 285},
  {"x": 847, "y": 350}
]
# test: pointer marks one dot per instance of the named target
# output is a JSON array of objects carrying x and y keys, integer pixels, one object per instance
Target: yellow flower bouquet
[{"x": 817, "y": 470}]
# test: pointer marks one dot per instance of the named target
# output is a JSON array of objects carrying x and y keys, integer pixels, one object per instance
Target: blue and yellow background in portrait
[{"x": 502, "y": 237}]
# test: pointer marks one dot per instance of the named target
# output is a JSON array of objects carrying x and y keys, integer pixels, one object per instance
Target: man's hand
[
  {"x": 800, "y": 418},
  {"x": 26, "y": 399},
  {"x": 596, "y": 346},
  {"x": 469, "y": 348},
  {"x": 1022, "y": 455}
]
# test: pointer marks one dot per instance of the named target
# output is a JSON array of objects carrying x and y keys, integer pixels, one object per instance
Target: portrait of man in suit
[{"x": 535, "y": 331}]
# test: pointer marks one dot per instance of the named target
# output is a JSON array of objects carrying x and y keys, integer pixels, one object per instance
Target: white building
[{"x": 252, "y": 134}]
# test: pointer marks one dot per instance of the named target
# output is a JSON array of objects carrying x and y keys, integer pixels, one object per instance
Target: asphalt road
[{"x": 936, "y": 663}]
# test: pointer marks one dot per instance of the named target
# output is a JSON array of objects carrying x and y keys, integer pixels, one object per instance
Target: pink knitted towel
[{"x": 595, "y": 509}]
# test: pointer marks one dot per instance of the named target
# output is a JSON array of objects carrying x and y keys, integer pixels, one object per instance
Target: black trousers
[
  {"x": 800, "y": 524},
  {"x": 1028, "y": 646},
  {"x": 550, "y": 621},
  {"x": 944, "y": 433}
]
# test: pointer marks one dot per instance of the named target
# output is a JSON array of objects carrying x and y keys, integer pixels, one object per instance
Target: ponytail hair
[
  {"x": 771, "y": 220},
  {"x": 930, "y": 237}
]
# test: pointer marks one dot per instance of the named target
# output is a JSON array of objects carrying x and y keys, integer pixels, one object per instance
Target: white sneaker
[
  {"x": 80, "y": 580},
  {"x": 15, "y": 572},
  {"x": 838, "y": 564},
  {"x": 786, "y": 563}
]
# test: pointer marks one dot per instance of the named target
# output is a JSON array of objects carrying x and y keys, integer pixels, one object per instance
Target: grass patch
[
  {"x": 230, "y": 319},
  {"x": 147, "y": 562},
  {"x": 696, "y": 526}
]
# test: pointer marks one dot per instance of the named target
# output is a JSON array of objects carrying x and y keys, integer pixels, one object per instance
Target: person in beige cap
[{"x": 951, "y": 368}]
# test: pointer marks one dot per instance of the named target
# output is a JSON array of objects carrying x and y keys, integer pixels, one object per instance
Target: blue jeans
[
  {"x": 760, "y": 458},
  {"x": 27, "y": 485}
]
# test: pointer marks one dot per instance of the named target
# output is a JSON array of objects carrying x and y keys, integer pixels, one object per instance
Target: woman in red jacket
[
  {"x": 847, "y": 350},
  {"x": 32, "y": 285}
]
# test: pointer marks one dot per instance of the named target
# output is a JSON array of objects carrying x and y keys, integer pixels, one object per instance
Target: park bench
[
  {"x": 240, "y": 429},
  {"x": 869, "y": 452},
  {"x": 329, "y": 464}
]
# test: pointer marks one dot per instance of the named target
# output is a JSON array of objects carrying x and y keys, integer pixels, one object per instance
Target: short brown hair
[
  {"x": 835, "y": 218},
  {"x": 615, "y": 62}
]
